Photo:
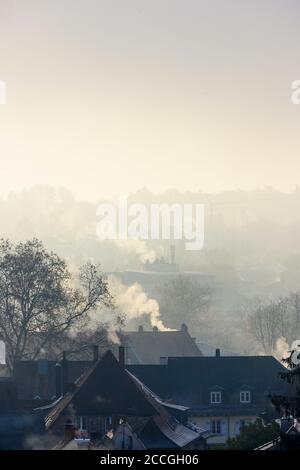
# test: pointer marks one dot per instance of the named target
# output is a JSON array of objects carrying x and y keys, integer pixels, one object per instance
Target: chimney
[
  {"x": 122, "y": 356},
  {"x": 95, "y": 353},
  {"x": 65, "y": 373},
  {"x": 69, "y": 430},
  {"x": 2, "y": 352},
  {"x": 58, "y": 380},
  {"x": 155, "y": 328},
  {"x": 218, "y": 352},
  {"x": 141, "y": 329},
  {"x": 172, "y": 250},
  {"x": 184, "y": 328}
]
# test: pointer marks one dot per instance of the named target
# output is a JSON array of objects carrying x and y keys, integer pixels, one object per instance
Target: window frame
[
  {"x": 81, "y": 423},
  {"x": 214, "y": 394},
  {"x": 108, "y": 423},
  {"x": 244, "y": 393},
  {"x": 216, "y": 426}
]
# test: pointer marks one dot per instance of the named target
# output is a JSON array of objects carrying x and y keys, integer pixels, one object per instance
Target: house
[
  {"x": 104, "y": 398},
  {"x": 222, "y": 393},
  {"x": 289, "y": 436},
  {"x": 17, "y": 424},
  {"x": 35, "y": 379},
  {"x": 154, "y": 347},
  {"x": 8, "y": 394}
]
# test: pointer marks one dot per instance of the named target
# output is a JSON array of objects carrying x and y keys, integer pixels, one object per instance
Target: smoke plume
[{"x": 134, "y": 302}]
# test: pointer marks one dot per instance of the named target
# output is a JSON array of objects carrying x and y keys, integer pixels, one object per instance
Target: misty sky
[{"x": 108, "y": 96}]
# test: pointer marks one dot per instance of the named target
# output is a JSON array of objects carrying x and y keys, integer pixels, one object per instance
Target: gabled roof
[
  {"x": 109, "y": 389},
  {"x": 188, "y": 381},
  {"x": 147, "y": 347},
  {"x": 159, "y": 433},
  {"x": 105, "y": 389}
]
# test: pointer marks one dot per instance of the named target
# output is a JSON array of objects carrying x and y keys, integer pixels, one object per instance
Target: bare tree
[
  {"x": 269, "y": 322},
  {"x": 40, "y": 301},
  {"x": 294, "y": 301},
  {"x": 184, "y": 298}
]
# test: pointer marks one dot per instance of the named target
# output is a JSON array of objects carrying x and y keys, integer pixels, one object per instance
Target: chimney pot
[
  {"x": 69, "y": 430},
  {"x": 218, "y": 352},
  {"x": 58, "y": 380},
  {"x": 122, "y": 356},
  {"x": 95, "y": 353},
  {"x": 184, "y": 327},
  {"x": 65, "y": 373},
  {"x": 172, "y": 249}
]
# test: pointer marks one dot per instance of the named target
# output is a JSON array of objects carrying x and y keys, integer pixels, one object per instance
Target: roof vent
[{"x": 184, "y": 327}]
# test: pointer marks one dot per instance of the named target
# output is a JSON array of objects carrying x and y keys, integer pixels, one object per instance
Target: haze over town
[{"x": 162, "y": 102}]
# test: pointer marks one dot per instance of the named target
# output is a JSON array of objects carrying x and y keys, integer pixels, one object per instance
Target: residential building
[
  {"x": 154, "y": 347},
  {"x": 222, "y": 393},
  {"x": 104, "y": 398}
]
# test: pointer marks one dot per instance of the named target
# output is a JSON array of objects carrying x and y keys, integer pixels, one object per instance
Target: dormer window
[
  {"x": 215, "y": 397},
  {"x": 245, "y": 396}
]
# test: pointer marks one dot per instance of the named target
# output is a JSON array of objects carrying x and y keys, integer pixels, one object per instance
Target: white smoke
[
  {"x": 134, "y": 302},
  {"x": 282, "y": 349},
  {"x": 112, "y": 336}
]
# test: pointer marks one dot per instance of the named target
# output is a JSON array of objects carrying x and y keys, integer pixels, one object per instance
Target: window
[
  {"x": 240, "y": 425},
  {"x": 108, "y": 423},
  {"x": 215, "y": 426},
  {"x": 245, "y": 396},
  {"x": 81, "y": 423},
  {"x": 215, "y": 397}
]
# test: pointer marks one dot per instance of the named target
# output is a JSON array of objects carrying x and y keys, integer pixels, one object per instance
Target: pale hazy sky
[{"x": 107, "y": 96}]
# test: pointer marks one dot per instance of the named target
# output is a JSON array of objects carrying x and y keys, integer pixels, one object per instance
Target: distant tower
[
  {"x": 2, "y": 353},
  {"x": 172, "y": 250}
]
